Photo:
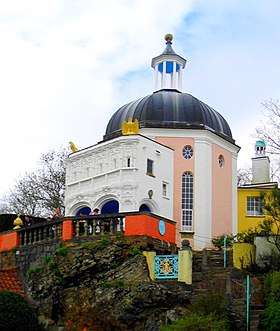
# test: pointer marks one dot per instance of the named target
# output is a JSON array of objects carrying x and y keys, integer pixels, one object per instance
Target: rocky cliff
[{"x": 105, "y": 285}]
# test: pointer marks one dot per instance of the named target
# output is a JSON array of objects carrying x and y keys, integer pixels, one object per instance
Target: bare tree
[
  {"x": 244, "y": 176},
  {"x": 39, "y": 192},
  {"x": 270, "y": 130}
]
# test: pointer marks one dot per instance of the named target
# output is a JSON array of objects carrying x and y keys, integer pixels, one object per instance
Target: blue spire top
[{"x": 168, "y": 50}]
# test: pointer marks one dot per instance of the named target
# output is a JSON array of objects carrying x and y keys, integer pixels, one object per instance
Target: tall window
[
  {"x": 187, "y": 201},
  {"x": 150, "y": 166},
  {"x": 254, "y": 206},
  {"x": 164, "y": 189}
]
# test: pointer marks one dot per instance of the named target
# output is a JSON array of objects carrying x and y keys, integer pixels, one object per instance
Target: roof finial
[{"x": 168, "y": 37}]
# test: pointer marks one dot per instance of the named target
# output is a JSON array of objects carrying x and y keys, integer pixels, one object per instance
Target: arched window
[
  {"x": 83, "y": 211},
  {"x": 187, "y": 202},
  {"x": 144, "y": 207},
  {"x": 111, "y": 206}
]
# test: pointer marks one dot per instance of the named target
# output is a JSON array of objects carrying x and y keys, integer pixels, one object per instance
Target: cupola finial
[{"x": 168, "y": 37}]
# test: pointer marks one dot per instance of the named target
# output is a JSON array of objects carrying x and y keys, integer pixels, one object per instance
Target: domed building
[{"x": 167, "y": 153}]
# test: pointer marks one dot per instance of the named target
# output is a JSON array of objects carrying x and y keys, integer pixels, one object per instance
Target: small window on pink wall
[{"x": 221, "y": 161}]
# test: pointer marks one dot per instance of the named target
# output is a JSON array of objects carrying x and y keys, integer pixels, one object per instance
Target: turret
[
  {"x": 260, "y": 164},
  {"x": 168, "y": 68}
]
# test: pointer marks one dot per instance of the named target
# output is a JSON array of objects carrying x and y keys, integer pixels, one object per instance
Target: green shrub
[
  {"x": 61, "y": 251},
  {"x": 246, "y": 236},
  {"x": 52, "y": 264},
  {"x": 87, "y": 244},
  {"x": 119, "y": 282},
  {"x": 107, "y": 284},
  {"x": 272, "y": 287},
  {"x": 33, "y": 271},
  {"x": 270, "y": 319},
  {"x": 211, "y": 304},
  {"x": 135, "y": 251},
  {"x": 16, "y": 314},
  {"x": 218, "y": 242},
  {"x": 104, "y": 241},
  {"x": 195, "y": 322},
  {"x": 48, "y": 258}
]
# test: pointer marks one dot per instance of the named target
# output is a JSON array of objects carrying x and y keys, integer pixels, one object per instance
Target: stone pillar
[
  {"x": 185, "y": 263},
  {"x": 150, "y": 259}
]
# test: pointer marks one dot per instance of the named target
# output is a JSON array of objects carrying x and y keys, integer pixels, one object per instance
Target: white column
[
  {"x": 156, "y": 78},
  {"x": 173, "y": 80},
  {"x": 180, "y": 79},
  {"x": 163, "y": 75}
]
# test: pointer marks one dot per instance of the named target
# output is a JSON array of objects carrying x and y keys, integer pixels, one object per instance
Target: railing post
[
  {"x": 185, "y": 263},
  {"x": 150, "y": 259}
]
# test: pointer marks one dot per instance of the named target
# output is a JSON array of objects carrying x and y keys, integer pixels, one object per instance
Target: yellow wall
[
  {"x": 247, "y": 222},
  {"x": 244, "y": 255}
]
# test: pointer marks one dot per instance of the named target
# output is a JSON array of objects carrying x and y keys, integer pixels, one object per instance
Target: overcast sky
[{"x": 66, "y": 66}]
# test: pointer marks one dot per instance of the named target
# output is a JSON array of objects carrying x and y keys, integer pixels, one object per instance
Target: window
[
  {"x": 150, "y": 165},
  {"x": 128, "y": 162},
  {"x": 164, "y": 189},
  {"x": 221, "y": 161},
  {"x": 254, "y": 206},
  {"x": 187, "y": 152},
  {"x": 187, "y": 201}
]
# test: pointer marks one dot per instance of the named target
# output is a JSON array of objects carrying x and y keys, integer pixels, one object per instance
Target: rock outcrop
[{"x": 105, "y": 285}]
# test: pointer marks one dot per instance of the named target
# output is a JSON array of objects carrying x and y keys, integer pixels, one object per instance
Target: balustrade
[
  {"x": 95, "y": 226},
  {"x": 83, "y": 227}
]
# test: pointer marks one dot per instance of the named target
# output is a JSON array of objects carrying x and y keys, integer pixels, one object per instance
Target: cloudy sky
[{"x": 67, "y": 65}]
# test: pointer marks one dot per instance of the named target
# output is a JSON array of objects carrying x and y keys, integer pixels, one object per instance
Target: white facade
[{"x": 117, "y": 170}]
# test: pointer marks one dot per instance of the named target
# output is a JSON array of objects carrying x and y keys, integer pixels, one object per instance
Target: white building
[{"x": 180, "y": 165}]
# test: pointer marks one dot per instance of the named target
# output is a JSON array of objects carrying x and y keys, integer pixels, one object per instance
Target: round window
[{"x": 187, "y": 152}]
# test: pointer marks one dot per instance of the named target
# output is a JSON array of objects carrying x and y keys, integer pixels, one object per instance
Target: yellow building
[{"x": 250, "y": 210}]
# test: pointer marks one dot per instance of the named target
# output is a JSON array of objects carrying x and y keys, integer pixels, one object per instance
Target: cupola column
[
  {"x": 156, "y": 78},
  {"x": 180, "y": 79},
  {"x": 163, "y": 75}
]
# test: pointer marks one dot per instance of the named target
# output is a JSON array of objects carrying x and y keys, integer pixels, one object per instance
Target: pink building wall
[
  {"x": 221, "y": 192},
  {"x": 181, "y": 165}
]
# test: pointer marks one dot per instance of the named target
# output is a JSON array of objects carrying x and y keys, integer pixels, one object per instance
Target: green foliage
[
  {"x": 271, "y": 316},
  {"x": 104, "y": 242},
  {"x": 270, "y": 320},
  {"x": 52, "y": 264},
  {"x": 212, "y": 303},
  {"x": 207, "y": 313},
  {"x": 272, "y": 287},
  {"x": 119, "y": 282},
  {"x": 33, "y": 271},
  {"x": 271, "y": 226},
  {"x": 195, "y": 322},
  {"x": 87, "y": 244},
  {"x": 62, "y": 251},
  {"x": 107, "y": 284},
  {"x": 16, "y": 314},
  {"x": 246, "y": 236},
  {"x": 48, "y": 258},
  {"x": 135, "y": 251},
  {"x": 218, "y": 241}
]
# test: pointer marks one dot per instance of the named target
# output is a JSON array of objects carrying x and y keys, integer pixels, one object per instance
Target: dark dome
[{"x": 169, "y": 109}]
